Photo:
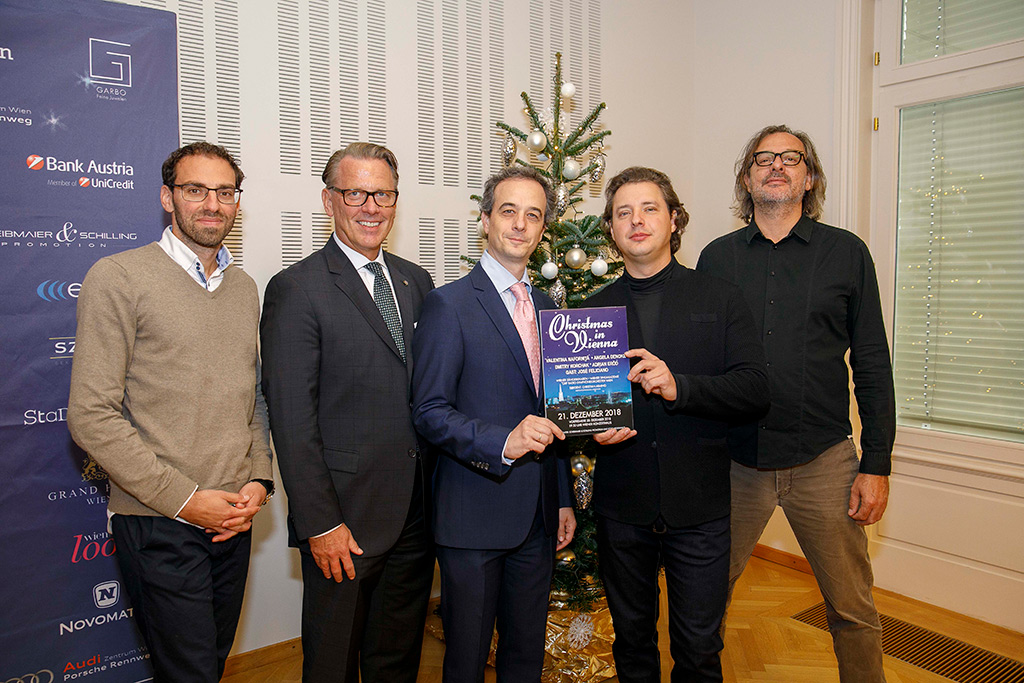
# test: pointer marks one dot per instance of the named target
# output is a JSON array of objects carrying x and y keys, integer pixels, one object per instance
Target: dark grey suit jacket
[{"x": 338, "y": 397}]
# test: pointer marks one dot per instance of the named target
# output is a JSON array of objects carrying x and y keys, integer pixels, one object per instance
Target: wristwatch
[{"x": 268, "y": 485}]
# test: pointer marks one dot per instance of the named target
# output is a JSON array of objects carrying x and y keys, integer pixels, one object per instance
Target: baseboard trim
[
  {"x": 782, "y": 557},
  {"x": 247, "y": 661}
]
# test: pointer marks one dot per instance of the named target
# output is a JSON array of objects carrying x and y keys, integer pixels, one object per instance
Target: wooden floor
[{"x": 762, "y": 642}]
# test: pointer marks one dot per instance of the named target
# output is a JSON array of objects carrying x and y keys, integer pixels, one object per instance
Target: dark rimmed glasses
[
  {"x": 197, "y": 193},
  {"x": 385, "y": 199},
  {"x": 790, "y": 157}
]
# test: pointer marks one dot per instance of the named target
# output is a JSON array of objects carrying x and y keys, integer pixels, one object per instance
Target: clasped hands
[{"x": 223, "y": 513}]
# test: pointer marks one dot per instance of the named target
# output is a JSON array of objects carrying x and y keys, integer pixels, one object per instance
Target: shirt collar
[
  {"x": 499, "y": 275},
  {"x": 186, "y": 258},
  {"x": 357, "y": 259},
  {"x": 803, "y": 229}
]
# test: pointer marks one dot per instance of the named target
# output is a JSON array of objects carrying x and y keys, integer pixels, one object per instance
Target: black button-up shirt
[{"x": 814, "y": 296}]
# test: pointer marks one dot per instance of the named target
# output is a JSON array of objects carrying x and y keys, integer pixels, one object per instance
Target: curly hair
[{"x": 642, "y": 174}]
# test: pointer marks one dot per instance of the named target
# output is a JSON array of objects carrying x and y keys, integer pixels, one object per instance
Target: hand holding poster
[{"x": 585, "y": 385}]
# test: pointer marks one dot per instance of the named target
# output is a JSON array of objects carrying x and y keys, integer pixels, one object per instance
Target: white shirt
[
  {"x": 359, "y": 263},
  {"x": 187, "y": 259},
  {"x": 503, "y": 280}
]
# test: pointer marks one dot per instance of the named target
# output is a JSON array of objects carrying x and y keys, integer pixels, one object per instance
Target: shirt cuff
[
  {"x": 505, "y": 461},
  {"x": 177, "y": 515},
  {"x": 329, "y": 531}
]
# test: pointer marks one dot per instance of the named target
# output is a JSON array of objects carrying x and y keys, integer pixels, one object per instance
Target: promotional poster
[
  {"x": 88, "y": 114},
  {"x": 585, "y": 385}
]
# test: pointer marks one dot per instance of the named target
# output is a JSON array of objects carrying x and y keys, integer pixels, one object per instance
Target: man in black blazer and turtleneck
[{"x": 662, "y": 489}]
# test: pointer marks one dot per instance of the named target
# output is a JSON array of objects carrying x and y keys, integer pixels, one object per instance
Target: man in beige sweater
[{"x": 164, "y": 396}]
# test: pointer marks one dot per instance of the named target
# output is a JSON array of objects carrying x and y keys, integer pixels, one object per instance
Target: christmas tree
[{"x": 572, "y": 261}]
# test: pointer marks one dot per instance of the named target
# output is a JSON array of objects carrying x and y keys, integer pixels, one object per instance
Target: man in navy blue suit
[{"x": 502, "y": 503}]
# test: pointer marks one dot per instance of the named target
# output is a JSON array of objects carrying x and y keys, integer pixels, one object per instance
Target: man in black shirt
[
  {"x": 814, "y": 295},
  {"x": 661, "y": 491}
]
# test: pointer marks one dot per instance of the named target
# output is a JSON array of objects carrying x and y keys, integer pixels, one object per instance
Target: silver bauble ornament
[
  {"x": 575, "y": 258},
  {"x": 598, "y": 171},
  {"x": 599, "y": 267},
  {"x": 568, "y": 89},
  {"x": 508, "y": 150},
  {"x": 536, "y": 141},
  {"x": 549, "y": 270},
  {"x": 578, "y": 463},
  {"x": 584, "y": 490},
  {"x": 561, "y": 201},
  {"x": 571, "y": 169},
  {"x": 541, "y": 156},
  {"x": 557, "y": 293},
  {"x": 565, "y": 556}
]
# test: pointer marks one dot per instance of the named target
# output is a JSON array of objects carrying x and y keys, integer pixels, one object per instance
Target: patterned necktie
[
  {"x": 526, "y": 323},
  {"x": 385, "y": 300}
]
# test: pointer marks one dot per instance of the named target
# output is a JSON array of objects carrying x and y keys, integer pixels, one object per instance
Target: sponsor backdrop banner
[{"x": 88, "y": 112}]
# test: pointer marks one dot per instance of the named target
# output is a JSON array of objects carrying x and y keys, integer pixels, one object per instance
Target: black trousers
[
  {"x": 696, "y": 563},
  {"x": 510, "y": 586},
  {"x": 373, "y": 624},
  {"x": 186, "y": 593}
]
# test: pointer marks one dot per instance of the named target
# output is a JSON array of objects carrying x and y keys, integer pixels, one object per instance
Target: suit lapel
[
  {"x": 494, "y": 307},
  {"x": 351, "y": 285}
]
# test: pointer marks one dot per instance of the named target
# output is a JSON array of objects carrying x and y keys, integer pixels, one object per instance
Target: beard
[
  {"x": 773, "y": 197},
  {"x": 208, "y": 237}
]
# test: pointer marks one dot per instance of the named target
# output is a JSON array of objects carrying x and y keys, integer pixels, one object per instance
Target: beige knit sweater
[{"x": 163, "y": 381}]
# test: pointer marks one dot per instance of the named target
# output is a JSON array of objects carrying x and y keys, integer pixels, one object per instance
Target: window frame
[{"x": 896, "y": 86}]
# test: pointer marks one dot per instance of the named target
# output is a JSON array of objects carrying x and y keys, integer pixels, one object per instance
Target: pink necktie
[{"x": 526, "y": 323}]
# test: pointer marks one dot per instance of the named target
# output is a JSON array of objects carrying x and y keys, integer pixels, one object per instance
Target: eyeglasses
[
  {"x": 383, "y": 198},
  {"x": 790, "y": 157},
  {"x": 197, "y": 193}
]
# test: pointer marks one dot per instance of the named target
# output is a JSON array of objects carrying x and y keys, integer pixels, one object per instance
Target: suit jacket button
[
  {"x": 654, "y": 445},
  {"x": 414, "y": 452}
]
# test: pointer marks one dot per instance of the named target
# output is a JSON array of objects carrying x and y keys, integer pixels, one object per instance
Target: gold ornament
[
  {"x": 577, "y": 647},
  {"x": 575, "y": 258},
  {"x": 565, "y": 556}
]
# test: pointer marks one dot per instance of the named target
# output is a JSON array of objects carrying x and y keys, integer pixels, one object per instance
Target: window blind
[
  {"x": 959, "y": 333},
  {"x": 933, "y": 28}
]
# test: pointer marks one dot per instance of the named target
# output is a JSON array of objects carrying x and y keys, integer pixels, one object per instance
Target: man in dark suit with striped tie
[{"x": 336, "y": 333}]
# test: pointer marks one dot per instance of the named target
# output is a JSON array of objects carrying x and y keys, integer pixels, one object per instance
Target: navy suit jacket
[{"x": 471, "y": 386}]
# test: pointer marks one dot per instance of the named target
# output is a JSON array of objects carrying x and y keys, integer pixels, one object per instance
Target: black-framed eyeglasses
[
  {"x": 385, "y": 199},
  {"x": 197, "y": 193},
  {"x": 790, "y": 157}
]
